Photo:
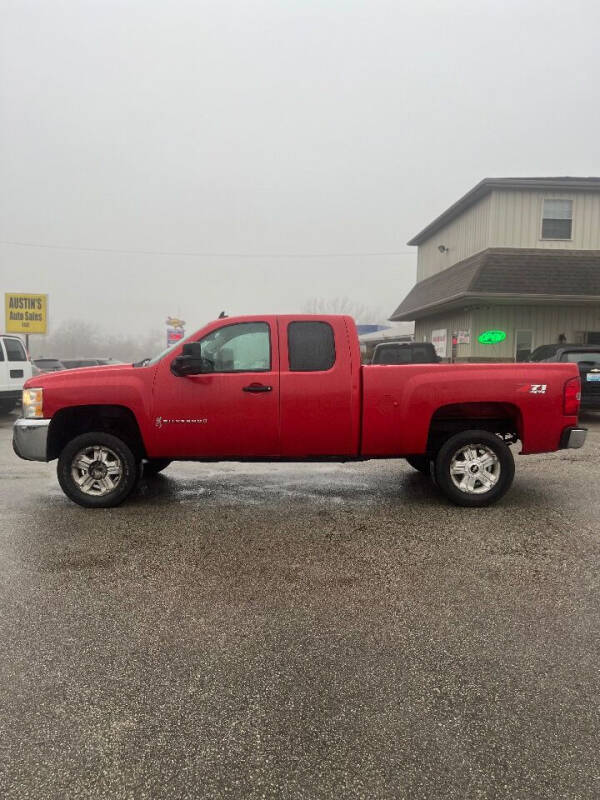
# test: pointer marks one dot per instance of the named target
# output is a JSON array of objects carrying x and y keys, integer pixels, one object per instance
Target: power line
[{"x": 200, "y": 254}]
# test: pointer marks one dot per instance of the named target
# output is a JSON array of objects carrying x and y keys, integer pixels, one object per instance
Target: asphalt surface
[{"x": 339, "y": 631}]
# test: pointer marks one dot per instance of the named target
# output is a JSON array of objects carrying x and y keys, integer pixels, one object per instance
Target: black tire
[
  {"x": 6, "y": 406},
  {"x": 155, "y": 465},
  {"x": 420, "y": 463},
  {"x": 499, "y": 474},
  {"x": 124, "y": 460}
]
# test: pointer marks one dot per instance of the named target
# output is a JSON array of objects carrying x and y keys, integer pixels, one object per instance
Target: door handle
[{"x": 257, "y": 387}]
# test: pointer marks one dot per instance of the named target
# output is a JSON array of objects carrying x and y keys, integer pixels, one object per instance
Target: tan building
[{"x": 516, "y": 256}]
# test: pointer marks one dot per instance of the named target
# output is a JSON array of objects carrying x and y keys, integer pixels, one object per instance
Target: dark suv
[
  {"x": 587, "y": 358},
  {"x": 405, "y": 353}
]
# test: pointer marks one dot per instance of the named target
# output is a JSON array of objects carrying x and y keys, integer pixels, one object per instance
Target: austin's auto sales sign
[{"x": 26, "y": 313}]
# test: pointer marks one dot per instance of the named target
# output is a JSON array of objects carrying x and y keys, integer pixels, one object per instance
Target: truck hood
[{"x": 71, "y": 377}]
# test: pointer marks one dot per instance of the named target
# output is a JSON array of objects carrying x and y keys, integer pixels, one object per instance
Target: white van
[{"x": 15, "y": 369}]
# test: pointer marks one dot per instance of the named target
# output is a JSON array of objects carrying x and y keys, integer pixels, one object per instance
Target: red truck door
[
  {"x": 232, "y": 411},
  {"x": 319, "y": 386}
]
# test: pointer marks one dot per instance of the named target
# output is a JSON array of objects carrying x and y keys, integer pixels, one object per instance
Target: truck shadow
[{"x": 404, "y": 486}]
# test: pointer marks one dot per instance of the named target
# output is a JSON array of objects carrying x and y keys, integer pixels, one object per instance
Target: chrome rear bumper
[
  {"x": 30, "y": 437},
  {"x": 573, "y": 437}
]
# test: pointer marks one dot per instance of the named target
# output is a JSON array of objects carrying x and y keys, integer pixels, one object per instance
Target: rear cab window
[{"x": 311, "y": 346}]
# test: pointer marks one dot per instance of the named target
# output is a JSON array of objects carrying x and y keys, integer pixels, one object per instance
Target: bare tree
[
  {"x": 81, "y": 339},
  {"x": 343, "y": 305}
]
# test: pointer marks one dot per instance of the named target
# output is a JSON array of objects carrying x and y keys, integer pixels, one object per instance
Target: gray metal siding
[
  {"x": 453, "y": 321},
  {"x": 464, "y": 236},
  {"x": 516, "y": 220},
  {"x": 509, "y": 218},
  {"x": 546, "y": 322}
]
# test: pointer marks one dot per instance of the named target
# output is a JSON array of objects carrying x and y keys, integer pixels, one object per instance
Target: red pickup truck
[{"x": 292, "y": 388}]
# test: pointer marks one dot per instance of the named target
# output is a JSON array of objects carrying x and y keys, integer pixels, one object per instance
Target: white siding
[
  {"x": 509, "y": 218},
  {"x": 546, "y": 322},
  {"x": 516, "y": 220},
  {"x": 464, "y": 236},
  {"x": 452, "y": 321}
]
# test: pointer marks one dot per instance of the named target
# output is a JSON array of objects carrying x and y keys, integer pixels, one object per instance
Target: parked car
[
  {"x": 15, "y": 369},
  {"x": 587, "y": 358},
  {"x": 292, "y": 388},
  {"x": 75, "y": 363},
  {"x": 48, "y": 364},
  {"x": 405, "y": 353}
]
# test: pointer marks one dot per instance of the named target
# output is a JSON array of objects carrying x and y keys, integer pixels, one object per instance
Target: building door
[{"x": 523, "y": 345}]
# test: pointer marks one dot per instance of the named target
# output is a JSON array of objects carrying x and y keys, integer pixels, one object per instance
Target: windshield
[{"x": 581, "y": 355}]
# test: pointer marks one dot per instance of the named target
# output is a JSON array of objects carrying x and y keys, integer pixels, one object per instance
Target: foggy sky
[{"x": 268, "y": 128}]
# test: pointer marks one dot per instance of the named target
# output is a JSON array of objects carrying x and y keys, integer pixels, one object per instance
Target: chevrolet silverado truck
[{"x": 292, "y": 388}]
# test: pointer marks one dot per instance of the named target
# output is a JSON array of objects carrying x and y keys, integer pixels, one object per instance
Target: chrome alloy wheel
[
  {"x": 475, "y": 469},
  {"x": 96, "y": 470}
]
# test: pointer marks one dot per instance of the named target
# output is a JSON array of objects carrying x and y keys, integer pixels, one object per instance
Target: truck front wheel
[
  {"x": 97, "y": 470},
  {"x": 474, "y": 468}
]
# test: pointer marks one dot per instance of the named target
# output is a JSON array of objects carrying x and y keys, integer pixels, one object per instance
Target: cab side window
[
  {"x": 311, "y": 346},
  {"x": 243, "y": 347},
  {"x": 15, "y": 350}
]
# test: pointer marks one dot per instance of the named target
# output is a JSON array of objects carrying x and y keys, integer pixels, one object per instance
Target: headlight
[{"x": 33, "y": 400}]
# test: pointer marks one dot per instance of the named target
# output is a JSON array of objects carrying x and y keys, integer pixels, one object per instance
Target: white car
[{"x": 15, "y": 369}]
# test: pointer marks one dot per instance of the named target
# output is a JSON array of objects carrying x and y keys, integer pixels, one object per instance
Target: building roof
[
  {"x": 487, "y": 185},
  {"x": 507, "y": 275}
]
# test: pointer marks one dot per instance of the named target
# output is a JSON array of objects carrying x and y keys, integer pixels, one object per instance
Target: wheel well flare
[
  {"x": 501, "y": 418},
  {"x": 70, "y": 422}
]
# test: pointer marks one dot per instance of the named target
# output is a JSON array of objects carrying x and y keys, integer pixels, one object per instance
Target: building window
[
  {"x": 523, "y": 345},
  {"x": 557, "y": 221}
]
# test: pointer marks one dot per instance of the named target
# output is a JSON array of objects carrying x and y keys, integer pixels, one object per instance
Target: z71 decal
[{"x": 534, "y": 388}]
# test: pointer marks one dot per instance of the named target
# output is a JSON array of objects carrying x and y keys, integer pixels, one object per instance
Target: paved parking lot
[{"x": 294, "y": 631}]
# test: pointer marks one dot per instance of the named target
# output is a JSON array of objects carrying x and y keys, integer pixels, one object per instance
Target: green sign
[{"x": 491, "y": 337}]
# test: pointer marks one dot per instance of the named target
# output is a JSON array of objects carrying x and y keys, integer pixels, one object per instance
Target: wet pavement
[{"x": 301, "y": 631}]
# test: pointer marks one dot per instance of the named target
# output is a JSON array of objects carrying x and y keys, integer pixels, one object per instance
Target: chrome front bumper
[
  {"x": 30, "y": 438},
  {"x": 573, "y": 437}
]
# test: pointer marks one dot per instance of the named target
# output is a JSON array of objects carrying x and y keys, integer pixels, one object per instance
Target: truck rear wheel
[
  {"x": 474, "y": 468},
  {"x": 97, "y": 470}
]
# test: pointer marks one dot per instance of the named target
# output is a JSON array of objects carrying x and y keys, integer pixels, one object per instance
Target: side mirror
[
  {"x": 192, "y": 349},
  {"x": 191, "y": 361}
]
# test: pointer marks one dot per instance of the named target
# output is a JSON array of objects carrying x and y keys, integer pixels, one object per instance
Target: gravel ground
[{"x": 301, "y": 631}]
